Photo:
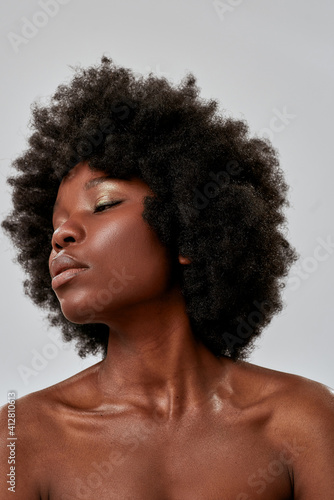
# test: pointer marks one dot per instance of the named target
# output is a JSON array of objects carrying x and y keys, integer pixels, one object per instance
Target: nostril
[
  {"x": 58, "y": 242},
  {"x": 65, "y": 240}
]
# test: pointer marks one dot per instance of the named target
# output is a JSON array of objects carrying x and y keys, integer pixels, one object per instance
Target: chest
[{"x": 138, "y": 461}]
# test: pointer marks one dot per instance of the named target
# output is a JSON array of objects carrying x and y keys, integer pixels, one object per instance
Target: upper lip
[{"x": 62, "y": 262}]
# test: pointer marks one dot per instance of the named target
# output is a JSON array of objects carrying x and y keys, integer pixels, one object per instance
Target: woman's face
[{"x": 98, "y": 222}]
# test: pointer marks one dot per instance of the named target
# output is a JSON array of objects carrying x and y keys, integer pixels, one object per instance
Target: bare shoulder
[
  {"x": 302, "y": 428},
  {"x": 37, "y": 413},
  {"x": 76, "y": 392},
  {"x": 18, "y": 447},
  {"x": 39, "y": 422},
  {"x": 304, "y": 408},
  {"x": 301, "y": 410},
  {"x": 288, "y": 394}
]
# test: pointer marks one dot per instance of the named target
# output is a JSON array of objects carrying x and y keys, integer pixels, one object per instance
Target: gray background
[{"x": 260, "y": 59}]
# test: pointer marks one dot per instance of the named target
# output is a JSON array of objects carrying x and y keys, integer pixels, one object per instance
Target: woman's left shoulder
[
  {"x": 287, "y": 393},
  {"x": 302, "y": 405}
]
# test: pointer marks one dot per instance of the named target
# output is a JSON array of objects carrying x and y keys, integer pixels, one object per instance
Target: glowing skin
[
  {"x": 160, "y": 418},
  {"x": 114, "y": 241},
  {"x": 145, "y": 310}
]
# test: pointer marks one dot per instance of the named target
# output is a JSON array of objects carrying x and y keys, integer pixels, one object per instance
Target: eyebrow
[
  {"x": 90, "y": 184},
  {"x": 97, "y": 180}
]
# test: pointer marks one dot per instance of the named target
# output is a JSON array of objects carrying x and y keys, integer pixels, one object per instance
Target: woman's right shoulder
[
  {"x": 25, "y": 415},
  {"x": 36, "y": 408},
  {"x": 21, "y": 435}
]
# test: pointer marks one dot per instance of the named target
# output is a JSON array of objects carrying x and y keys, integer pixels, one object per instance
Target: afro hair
[{"x": 219, "y": 196}]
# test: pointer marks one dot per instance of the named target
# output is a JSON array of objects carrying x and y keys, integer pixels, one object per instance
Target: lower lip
[{"x": 65, "y": 276}]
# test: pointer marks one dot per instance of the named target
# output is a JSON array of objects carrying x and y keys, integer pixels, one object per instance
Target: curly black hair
[{"x": 219, "y": 196}]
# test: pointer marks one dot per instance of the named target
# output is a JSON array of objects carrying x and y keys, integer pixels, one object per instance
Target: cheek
[
  {"x": 129, "y": 265},
  {"x": 131, "y": 249}
]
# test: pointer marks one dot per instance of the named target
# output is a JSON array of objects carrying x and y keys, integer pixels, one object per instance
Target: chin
[{"x": 79, "y": 310}]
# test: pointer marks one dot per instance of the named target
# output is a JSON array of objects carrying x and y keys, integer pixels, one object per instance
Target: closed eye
[{"x": 100, "y": 208}]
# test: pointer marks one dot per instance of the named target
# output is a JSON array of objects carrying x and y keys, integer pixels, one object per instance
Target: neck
[{"x": 154, "y": 360}]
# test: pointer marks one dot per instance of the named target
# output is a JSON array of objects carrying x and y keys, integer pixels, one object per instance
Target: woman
[{"x": 167, "y": 257}]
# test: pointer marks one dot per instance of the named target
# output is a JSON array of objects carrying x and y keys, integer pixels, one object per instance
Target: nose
[{"x": 66, "y": 234}]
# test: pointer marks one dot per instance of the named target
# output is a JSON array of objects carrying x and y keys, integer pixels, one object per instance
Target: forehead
[{"x": 82, "y": 172}]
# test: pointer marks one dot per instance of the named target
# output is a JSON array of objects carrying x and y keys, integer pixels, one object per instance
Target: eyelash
[
  {"x": 105, "y": 205},
  {"x": 111, "y": 204}
]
